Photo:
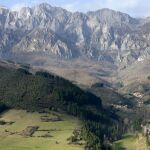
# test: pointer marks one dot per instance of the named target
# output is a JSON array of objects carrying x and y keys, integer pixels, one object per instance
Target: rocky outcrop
[{"x": 103, "y": 35}]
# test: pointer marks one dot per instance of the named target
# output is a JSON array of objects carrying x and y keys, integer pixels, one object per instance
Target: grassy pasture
[
  {"x": 132, "y": 142},
  {"x": 59, "y": 131}
]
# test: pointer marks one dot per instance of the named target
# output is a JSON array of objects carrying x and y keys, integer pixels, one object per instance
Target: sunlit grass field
[
  {"x": 133, "y": 142},
  {"x": 60, "y": 131}
]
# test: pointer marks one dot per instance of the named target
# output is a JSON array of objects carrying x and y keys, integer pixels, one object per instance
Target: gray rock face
[{"x": 103, "y": 35}]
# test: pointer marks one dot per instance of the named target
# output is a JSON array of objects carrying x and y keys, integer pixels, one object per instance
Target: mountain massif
[
  {"x": 103, "y": 35},
  {"x": 87, "y": 48}
]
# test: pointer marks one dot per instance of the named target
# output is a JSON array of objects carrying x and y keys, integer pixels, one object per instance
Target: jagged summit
[{"x": 103, "y": 35}]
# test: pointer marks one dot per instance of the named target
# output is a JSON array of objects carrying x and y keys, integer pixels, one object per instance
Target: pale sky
[{"x": 135, "y": 8}]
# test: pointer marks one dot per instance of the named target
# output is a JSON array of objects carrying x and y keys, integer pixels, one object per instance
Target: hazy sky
[{"x": 136, "y": 8}]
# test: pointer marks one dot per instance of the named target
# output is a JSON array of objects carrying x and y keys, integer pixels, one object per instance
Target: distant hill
[{"x": 110, "y": 96}]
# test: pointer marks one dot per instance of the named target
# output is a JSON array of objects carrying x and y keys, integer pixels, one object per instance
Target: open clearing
[
  {"x": 49, "y": 135},
  {"x": 132, "y": 142}
]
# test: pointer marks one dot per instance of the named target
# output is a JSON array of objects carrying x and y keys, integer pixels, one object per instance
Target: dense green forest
[
  {"x": 35, "y": 92},
  {"x": 3, "y": 107}
]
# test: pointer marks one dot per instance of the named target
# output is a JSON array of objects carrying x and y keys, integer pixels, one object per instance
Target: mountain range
[
  {"x": 91, "y": 47},
  {"x": 101, "y": 35}
]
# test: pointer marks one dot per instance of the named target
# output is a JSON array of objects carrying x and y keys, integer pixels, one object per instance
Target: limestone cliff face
[{"x": 103, "y": 35}]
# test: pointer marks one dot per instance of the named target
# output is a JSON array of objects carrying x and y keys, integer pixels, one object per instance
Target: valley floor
[
  {"x": 132, "y": 142},
  {"x": 46, "y": 132}
]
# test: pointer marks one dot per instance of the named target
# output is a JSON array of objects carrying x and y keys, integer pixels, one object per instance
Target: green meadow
[
  {"x": 131, "y": 142},
  {"x": 57, "y": 132}
]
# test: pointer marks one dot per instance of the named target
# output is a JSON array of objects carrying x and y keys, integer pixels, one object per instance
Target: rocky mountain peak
[
  {"x": 112, "y": 17},
  {"x": 3, "y": 10},
  {"x": 25, "y": 12},
  {"x": 44, "y": 6},
  {"x": 103, "y": 35}
]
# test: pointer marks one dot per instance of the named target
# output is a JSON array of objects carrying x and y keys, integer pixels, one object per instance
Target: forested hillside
[{"x": 34, "y": 92}]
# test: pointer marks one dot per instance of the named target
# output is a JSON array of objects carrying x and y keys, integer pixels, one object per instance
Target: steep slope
[
  {"x": 110, "y": 97},
  {"x": 103, "y": 35},
  {"x": 24, "y": 88}
]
